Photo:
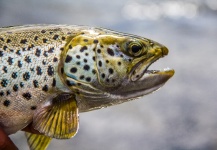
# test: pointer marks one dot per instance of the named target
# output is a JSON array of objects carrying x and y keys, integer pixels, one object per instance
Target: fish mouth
[{"x": 141, "y": 68}]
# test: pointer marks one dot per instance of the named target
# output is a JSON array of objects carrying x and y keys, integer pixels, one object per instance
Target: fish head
[{"x": 113, "y": 68}]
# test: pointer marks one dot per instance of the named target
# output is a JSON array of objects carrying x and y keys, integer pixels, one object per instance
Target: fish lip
[{"x": 143, "y": 68}]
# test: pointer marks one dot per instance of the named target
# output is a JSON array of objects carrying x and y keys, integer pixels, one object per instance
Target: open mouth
[{"x": 141, "y": 69}]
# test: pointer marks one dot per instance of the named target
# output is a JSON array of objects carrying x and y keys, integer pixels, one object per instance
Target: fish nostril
[{"x": 164, "y": 50}]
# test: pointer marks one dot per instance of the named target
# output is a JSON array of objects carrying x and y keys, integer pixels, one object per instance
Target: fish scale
[{"x": 50, "y": 73}]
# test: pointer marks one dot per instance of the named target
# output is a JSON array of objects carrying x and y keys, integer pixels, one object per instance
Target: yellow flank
[{"x": 50, "y": 73}]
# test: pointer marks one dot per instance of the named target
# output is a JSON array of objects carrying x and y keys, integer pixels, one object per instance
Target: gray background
[{"x": 180, "y": 116}]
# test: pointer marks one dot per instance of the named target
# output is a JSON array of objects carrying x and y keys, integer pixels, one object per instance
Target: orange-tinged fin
[
  {"x": 59, "y": 118},
  {"x": 37, "y": 142}
]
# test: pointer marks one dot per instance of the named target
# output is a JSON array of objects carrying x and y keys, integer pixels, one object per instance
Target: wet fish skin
[{"x": 50, "y": 73}]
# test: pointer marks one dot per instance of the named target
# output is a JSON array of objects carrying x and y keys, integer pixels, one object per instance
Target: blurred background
[{"x": 180, "y": 116}]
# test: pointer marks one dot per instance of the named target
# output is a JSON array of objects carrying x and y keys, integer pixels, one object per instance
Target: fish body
[{"x": 50, "y": 73}]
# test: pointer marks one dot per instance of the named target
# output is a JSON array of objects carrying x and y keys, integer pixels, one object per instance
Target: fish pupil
[{"x": 136, "y": 48}]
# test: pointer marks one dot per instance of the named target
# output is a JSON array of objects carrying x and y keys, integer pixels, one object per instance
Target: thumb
[{"x": 5, "y": 142}]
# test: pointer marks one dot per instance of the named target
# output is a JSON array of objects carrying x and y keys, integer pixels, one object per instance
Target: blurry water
[{"x": 180, "y": 116}]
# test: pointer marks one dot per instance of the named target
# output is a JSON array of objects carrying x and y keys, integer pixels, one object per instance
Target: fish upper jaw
[{"x": 142, "y": 66}]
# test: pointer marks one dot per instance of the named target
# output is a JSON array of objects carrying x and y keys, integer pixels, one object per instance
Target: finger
[
  {"x": 5, "y": 142},
  {"x": 30, "y": 129}
]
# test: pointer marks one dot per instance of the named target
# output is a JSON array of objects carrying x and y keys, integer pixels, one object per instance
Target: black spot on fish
[
  {"x": 36, "y": 38},
  {"x": 6, "y": 103},
  {"x": 26, "y": 76},
  {"x": 107, "y": 80},
  {"x": 43, "y": 31},
  {"x": 45, "y": 88},
  {"x": 51, "y": 50},
  {"x": 28, "y": 59},
  {"x": 8, "y": 92},
  {"x": 86, "y": 67},
  {"x": 50, "y": 71},
  {"x": 111, "y": 70},
  {"x": 8, "y": 41},
  {"x": 55, "y": 37},
  {"x": 1, "y": 53},
  {"x": 33, "y": 107},
  {"x": 69, "y": 83},
  {"x": 44, "y": 40},
  {"x": 95, "y": 41},
  {"x": 88, "y": 79},
  {"x": 15, "y": 87},
  {"x": 4, "y": 82},
  {"x": 38, "y": 70},
  {"x": 107, "y": 61},
  {"x": 68, "y": 59},
  {"x": 63, "y": 38},
  {"x": 82, "y": 77},
  {"x": 70, "y": 46},
  {"x": 85, "y": 60},
  {"x": 54, "y": 82},
  {"x": 94, "y": 58},
  {"x": 2, "y": 93},
  {"x": 83, "y": 48},
  {"x": 55, "y": 59},
  {"x": 119, "y": 63},
  {"x": 31, "y": 46},
  {"x": 21, "y": 84},
  {"x": 86, "y": 54},
  {"x": 27, "y": 95},
  {"x": 20, "y": 64},
  {"x": 61, "y": 48},
  {"x": 44, "y": 62},
  {"x": 14, "y": 75},
  {"x": 2, "y": 39},
  {"x": 78, "y": 63},
  {"x": 78, "y": 56},
  {"x": 5, "y": 69},
  {"x": 35, "y": 83},
  {"x": 10, "y": 60},
  {"x": 94, "y": 71},
  {"x": 38, "y": 52},
  {"x": 73, "y": 70},
  {"x": 5, "y": 47},
  {"x": 103, "y": 75},
  {"x": 85, "y": 40},
  {"x": 99, "y": 51},
  {"x": 32, "y": 69},
  {"x": 100, "y": 63},
  {"x": 23, "y": 41},
  {"x": 45, "y": 54},
  {"x": 18, "y": 52},
  {"x": 110, "y": 52}
]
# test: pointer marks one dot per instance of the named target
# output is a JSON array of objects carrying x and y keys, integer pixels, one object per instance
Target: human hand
[{"x": 7, "y": 144}]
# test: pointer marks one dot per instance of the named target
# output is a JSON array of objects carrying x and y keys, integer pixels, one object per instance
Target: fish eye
[{"x": 135, "y": 48}]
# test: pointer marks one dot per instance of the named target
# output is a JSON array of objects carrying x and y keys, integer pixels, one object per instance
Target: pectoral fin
[
  {"x": 58, "y": 118},
  {"x": 37, "y": 142}
]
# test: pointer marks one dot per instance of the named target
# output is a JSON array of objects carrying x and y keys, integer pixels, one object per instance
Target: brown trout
[{"x": 50, "y": 73}]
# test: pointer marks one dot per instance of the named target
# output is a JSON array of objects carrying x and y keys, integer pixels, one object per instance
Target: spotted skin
[{"x": 97, "y": 67}]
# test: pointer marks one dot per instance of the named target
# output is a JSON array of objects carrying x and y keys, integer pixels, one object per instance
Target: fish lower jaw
[{"x": 167, "y": 70}]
